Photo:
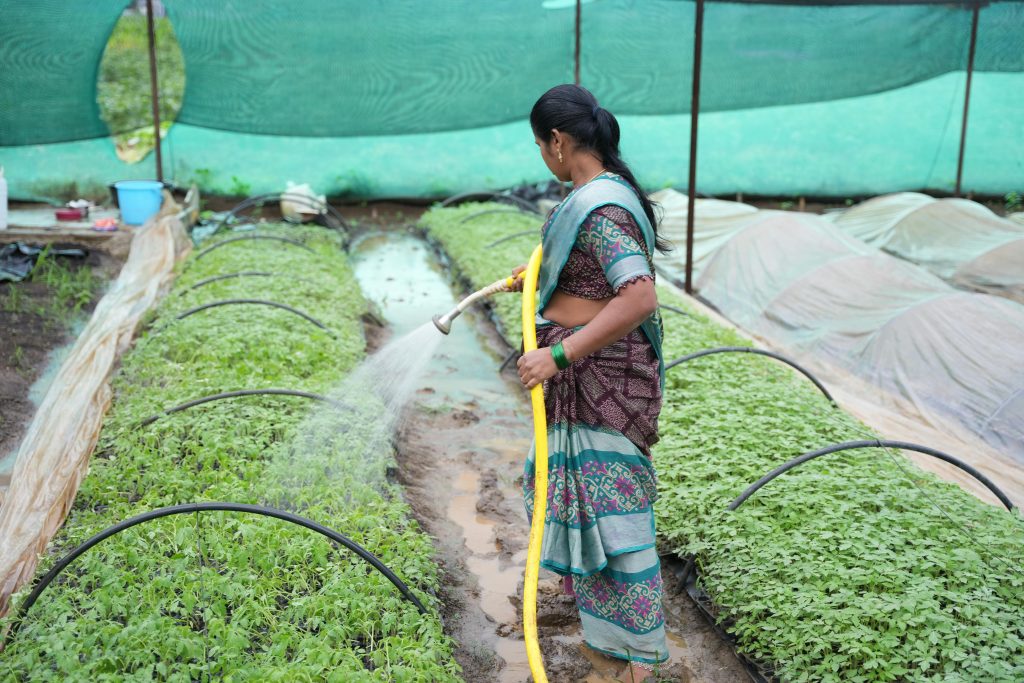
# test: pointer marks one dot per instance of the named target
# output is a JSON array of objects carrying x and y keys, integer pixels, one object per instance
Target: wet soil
[
  {"x": 462, "y": 473},
  {"x": 31, "y": 343},
  {"x": 461, "y": 449}
]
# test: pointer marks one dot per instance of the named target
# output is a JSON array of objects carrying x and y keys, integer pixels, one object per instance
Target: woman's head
[{"x": 568, "y": 120}]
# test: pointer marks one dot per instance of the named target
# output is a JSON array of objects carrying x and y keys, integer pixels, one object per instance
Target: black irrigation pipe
[
  {"x": 674, "y": 309},
  {"x": 849, "y": 445},
  {"x": 232, "y": 394},
  {"x": 215, "y": 278},
  {"x": 259, "y": 302},
  {"x": 261, "y": 199},
  {"x": 760, "y": 352},
  {"x": 513, "y": 236},
  {"x": 242, "y": 238},
  {"x": 688, "y": 580},
  {"x": 454, "y": 199},
  {"x": 187, "y": 508},
  {"x": 485, "y": 212},
  {"x": 243, "y": 273}
]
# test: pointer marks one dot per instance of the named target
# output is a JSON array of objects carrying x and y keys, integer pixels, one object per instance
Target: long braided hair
[{"x": 575, "y": 111}]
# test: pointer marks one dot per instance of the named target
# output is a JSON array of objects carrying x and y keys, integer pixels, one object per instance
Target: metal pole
[
  {"x": 967, "y": 97},
  {"x": 579, "y": 21},
  {"x": 154, "y": 91},
  {"x": 694, "y": 114}
]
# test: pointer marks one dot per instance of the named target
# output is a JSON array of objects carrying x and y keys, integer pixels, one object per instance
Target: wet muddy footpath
[{"x": 461, "y": 446}]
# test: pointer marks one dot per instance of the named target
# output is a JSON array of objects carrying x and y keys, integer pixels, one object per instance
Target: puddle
[{"x": 461, "y": 449}]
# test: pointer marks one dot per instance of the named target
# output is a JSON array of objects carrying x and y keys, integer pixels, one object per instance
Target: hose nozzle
[{"x": 444, "y": 322}]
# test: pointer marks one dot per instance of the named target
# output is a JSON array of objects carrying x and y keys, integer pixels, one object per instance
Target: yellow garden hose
[{"x": 540, "y": 489}]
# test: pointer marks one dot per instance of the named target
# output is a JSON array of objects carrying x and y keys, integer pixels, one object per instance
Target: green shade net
[
  {"x": 49, "y": 59},
  {"x": 413, "y": 98}
]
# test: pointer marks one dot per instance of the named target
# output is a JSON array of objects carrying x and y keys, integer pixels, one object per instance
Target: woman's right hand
[{"x": 517, "y": 282}]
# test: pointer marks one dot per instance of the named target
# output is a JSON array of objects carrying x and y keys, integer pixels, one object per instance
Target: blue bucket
[{"x": 138, "y": 199}]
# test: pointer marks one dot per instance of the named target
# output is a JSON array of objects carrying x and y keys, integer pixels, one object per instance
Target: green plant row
[
  {"x": 223, "y": 596},
  {"x": 845, "y": 569}
]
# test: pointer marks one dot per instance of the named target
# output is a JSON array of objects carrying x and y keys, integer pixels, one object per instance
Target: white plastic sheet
[
  {"x": 54, "y": 454},
  {"x": 915, "y": 347},
  {"x": 957, "y": 239},
  {"x": 793, "y": 279}
]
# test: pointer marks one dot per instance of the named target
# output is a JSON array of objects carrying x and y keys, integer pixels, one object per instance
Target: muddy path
[{"x": 461, "y": 447}]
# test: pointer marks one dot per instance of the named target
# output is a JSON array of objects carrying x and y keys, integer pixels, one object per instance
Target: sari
[{"x": 602, "y": 419}]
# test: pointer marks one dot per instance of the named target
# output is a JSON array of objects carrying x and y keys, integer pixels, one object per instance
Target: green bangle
[{"x": 558, "y": 353}]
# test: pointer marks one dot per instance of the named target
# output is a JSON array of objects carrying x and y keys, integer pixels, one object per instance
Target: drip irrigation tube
[
  {"x": 228, "y": 276},
  {"x": 850, "y": 445},
  {"x": 243, "y": 238},
  {"x": 186, "y": 508},
  {"x": 261, "y": 199},
  {"x": 513, "y": 236},
  {"x": 259, "y": 302},
  {"x": 455, "y": 199},
  {"x": 759, "y": 352},
  {"x": 486, "y": 212},
  {"x": 680, "y": 311},
  {"x": 232, "y": 394},
  {"x": 687, "y": 579},
  {"x": 244, "y": 273}
]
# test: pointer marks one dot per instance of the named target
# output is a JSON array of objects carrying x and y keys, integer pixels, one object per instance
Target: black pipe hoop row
[
  {"x": 232, "y": 394},
  {"x": 674, "y": 309},
  {"x": 513, "y": 236},
  {"x": 326, "y": 209},
  {"x": 257, "y": 302},
  {"x": 242, "y": 273},
  {"x": 246, "y": 238},
  {"x": 759, "y": 352},
  {"x": 850, "y": 445},
  {"x": 187, "y": 508},
  {"x": 487, "y": 212},
  {"x": 487, "y": 194}
]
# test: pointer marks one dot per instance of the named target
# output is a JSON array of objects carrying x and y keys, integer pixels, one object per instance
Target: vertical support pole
[
  {"x": 698, "y": 41},
  {"x": 579, "y": 22},
  {"x": 154, "y": 90},
  {"x": 967, "y": 97}
]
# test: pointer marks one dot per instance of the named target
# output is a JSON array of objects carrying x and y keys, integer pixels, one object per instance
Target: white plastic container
[{"x": 3, "y": 200}]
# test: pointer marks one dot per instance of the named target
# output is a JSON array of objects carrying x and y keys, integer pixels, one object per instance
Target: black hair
[{"x": 574, "y": 110}]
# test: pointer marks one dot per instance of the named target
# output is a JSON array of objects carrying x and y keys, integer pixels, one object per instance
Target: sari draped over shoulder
[{"x": 602, "y": 419}]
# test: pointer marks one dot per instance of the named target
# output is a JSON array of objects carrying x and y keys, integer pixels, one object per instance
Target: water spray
[{"x": 444, "y": 322}]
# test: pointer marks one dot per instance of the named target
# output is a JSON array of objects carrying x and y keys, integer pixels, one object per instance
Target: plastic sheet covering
[
  {"x": 957, "y": 239},
  {"x": 718, "y": 221},
  {"x": 54, "y": 454},
  {"x": 919, "y": 347},
  {"x": 17, "y": 260}
]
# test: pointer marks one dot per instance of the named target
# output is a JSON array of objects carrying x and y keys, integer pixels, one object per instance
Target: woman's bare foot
[{"x": 635, "y": 673}]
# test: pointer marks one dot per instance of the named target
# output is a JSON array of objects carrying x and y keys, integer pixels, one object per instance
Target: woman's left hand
[{"x": 536, "y": 366}]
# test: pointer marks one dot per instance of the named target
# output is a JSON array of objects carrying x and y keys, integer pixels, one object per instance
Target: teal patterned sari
[{"x": 602, "y": 418}]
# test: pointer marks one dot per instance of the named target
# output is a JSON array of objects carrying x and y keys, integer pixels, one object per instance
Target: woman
[{"x": 599, "y": 339}]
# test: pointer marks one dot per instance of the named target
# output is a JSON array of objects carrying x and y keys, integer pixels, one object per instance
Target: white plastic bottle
[{"x": 3, "y": 200}]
